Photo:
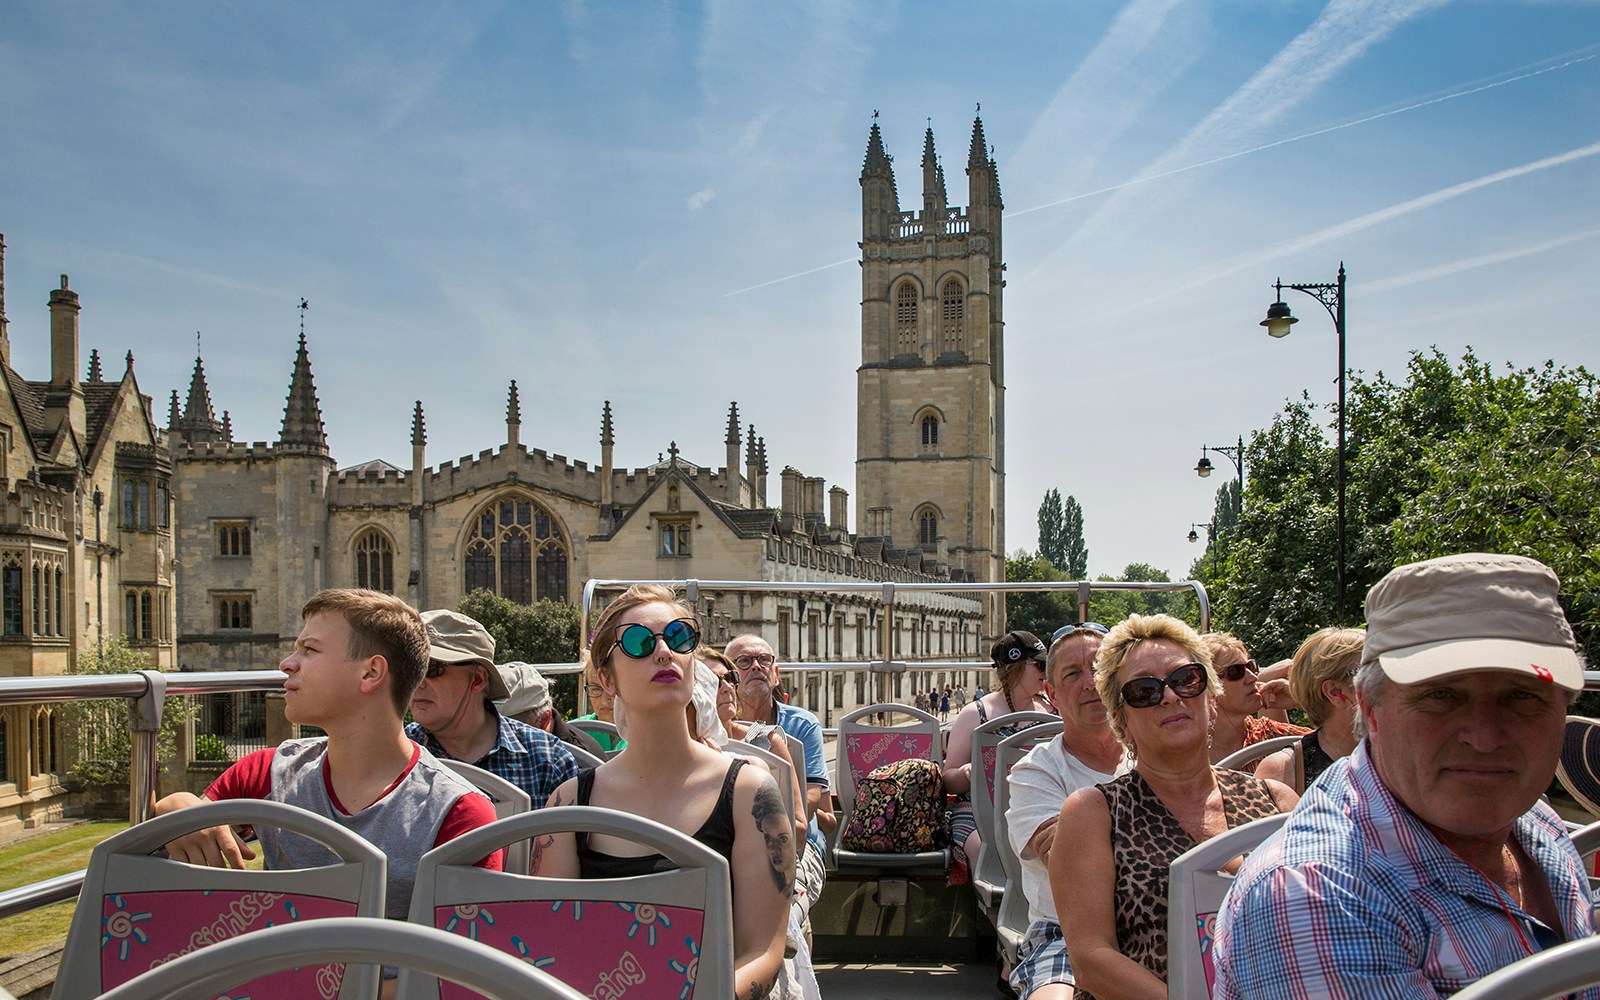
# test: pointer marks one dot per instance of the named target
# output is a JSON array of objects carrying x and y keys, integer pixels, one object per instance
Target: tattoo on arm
[
  {"x": 777, "y": 833},
  {"x": 759, "y": 990},
  {"x": 537, "y": 845}
]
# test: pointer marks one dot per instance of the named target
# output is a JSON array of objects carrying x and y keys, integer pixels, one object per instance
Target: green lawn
[{"x": 40, "y": 857}]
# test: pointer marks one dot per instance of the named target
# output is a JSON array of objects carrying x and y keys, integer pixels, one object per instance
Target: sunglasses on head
[
  {"x": 1235, "y": 671},
  {"x": 1094, "y": 627},
  {"x": 1146, "y": 692},
  {"x": 638, "y": 641}
]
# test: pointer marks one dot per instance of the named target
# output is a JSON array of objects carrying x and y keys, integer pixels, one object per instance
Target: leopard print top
[{"x": 1145, "y": 838}]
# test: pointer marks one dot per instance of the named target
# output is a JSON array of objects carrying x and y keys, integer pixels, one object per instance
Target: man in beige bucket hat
[
  {"x": 1425, "y": 860},
  {"x": 455, "y": 716}
]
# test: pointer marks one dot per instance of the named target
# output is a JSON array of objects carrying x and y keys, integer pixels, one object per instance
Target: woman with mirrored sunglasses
[
  {"x": 643, "y": 653},
  {"x": 1239, "y": 720},
  {"x": 1154, "y": 674}
]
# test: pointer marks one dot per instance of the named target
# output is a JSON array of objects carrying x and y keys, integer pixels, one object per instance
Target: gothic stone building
[
  {"x": 262, "y": 526},
  {"x": 85, "y": 542}
]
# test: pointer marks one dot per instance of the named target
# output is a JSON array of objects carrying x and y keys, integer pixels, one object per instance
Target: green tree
[
  {"x": 1074, "y": 549},
  {"x": 543, "y": 632},
  {"x": 1052, "y": 533},
  {"x": 98, "y": 740},
  {"x": 1039, "y": 612},
  {"x": 1111, "y": 606},
  {"x": 1456, "y": 457}
]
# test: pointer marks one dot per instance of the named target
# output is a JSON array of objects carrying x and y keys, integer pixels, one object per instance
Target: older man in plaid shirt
[
  {"x": 455, "y": 717},
  {"x": 1425, "y": 860}
]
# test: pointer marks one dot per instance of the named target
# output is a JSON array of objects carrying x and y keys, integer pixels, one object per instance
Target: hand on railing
[{"x": 213, "y": 847}]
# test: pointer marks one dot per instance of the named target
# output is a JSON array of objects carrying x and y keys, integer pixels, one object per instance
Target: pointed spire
[
  {"x": 733, "y": 425},
  {"x": 762, "y": 449},
  {"x": 513, "y": 405},
  {"x": 94, "y": 365},
  {"x": 302, "y": 414},
  {"x": 978, "y": 153},
  {"x": 606, "y": 437},
  {"x": 5, "y": 337},
  {"x": 930, "y": 159},
  {"x": 130, "y": 361},
  {"x": 750, "y": 447},
  {"x": 419, "y": 429},
  {"x": 878, "y": 162},
  {"x": 172, "y": 412},
  {"x": 227, "y": 427},
  {"x": 198, "y": 414}
]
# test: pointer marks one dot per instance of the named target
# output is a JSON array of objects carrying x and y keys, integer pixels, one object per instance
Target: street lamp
[
  {"x": 1278, "y": 322},
  {"x": 1211, "y": 537},
  {"x": 1233, "y": 452}
]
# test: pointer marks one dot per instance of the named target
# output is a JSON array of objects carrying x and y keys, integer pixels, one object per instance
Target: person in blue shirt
[{"x": 752, "y": 656}]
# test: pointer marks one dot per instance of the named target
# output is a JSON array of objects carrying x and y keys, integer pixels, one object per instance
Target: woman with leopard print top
[{"x": 1154, "y": 674}]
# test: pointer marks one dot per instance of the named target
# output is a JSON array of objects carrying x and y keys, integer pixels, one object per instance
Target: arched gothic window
[
  {"x": 905, "y": 318},
  {"x": 954, "y": 301},
  {"x": 930, "y": 433},
  {"x": 516, "y": 549},
  {"x": 927, "y": 528},
  {"x": 374, "y": 561}
]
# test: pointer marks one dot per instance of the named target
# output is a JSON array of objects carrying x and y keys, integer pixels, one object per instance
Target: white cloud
[{"x": 700, "y": 198}]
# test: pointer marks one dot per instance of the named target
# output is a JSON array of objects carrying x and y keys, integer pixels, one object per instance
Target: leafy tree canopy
[
  {"x": 1456, "y": 458},
  {"x": 542, "y": 632}
]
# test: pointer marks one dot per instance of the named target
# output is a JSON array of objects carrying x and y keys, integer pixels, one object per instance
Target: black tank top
[{"x": 716, "y": 833}]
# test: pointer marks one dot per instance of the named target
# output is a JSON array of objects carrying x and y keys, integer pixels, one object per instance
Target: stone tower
[{"x": 930, "y": 392}]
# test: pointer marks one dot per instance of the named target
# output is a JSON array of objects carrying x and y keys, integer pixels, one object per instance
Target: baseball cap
[
  {"x": 1016, "y": 646},
  {"x": 456, "y": 639},
  {"x": 529, "y": 690},
  {"x": 1468, "y": 612}
]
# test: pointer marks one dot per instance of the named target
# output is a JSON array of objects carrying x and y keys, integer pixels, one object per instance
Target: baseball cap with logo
[
  {"x": 1014, "y": 647},
  {"x": 1469, "y": 612},
  {"x": 456, "y": 639}
]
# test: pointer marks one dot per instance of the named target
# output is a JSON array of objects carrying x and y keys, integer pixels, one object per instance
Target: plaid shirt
[
  {"x": 1355, "y": 898},
  {"x": 529, "y": 758}
]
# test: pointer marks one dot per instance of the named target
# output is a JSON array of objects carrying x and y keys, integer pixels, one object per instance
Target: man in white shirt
[{"x": 1085, "y": 754}]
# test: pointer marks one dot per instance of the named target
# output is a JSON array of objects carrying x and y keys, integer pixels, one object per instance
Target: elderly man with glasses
[
  {"x": 758, "y": 702},
  {"x": 455, "y": 716}
]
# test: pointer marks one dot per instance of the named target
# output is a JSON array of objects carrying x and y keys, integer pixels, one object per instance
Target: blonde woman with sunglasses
[
  {"x": 643, "y": 654},
  {"x": 1239, "y": 699},
  {"x": 1154, "y": 675}
]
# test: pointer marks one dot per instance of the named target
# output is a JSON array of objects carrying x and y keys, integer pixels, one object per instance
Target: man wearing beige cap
[
  {"x": 529, "y": 701},
  {"x": 455, "y": 716},
  {"x": 1425, "y": 860}
]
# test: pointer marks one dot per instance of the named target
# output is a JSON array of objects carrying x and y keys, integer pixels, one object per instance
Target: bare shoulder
[{"x": 1284, "y": 796}]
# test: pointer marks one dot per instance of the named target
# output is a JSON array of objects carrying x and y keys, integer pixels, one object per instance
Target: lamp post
[
  {"x": 1278, "y": 322},
  {"x": 1211, "y": 537},
  {"x": 1233, "y": 452}
]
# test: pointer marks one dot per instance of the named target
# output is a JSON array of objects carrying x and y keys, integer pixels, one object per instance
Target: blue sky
[{"x": 657, "y": 204}]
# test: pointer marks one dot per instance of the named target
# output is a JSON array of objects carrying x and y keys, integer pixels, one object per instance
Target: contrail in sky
[{"x": 1522, "y": 73}]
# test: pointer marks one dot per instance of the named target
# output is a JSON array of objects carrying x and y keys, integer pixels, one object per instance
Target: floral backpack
[{"x": 899, "y": 810}]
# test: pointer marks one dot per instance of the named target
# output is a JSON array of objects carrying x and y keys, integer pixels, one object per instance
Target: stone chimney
[
  {"x": 792, "y": 499},
  {"x": 64, "y": 399},
  {"x": 838, "y": 507}
]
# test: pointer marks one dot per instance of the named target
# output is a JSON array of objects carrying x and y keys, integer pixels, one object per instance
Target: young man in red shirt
[{"x": 357, "y": 660}]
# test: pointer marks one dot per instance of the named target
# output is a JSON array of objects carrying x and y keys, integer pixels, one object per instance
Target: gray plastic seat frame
[
  {"x": 210, "y": 970},
  {"x": 123, "y": 863},
  {"x": 508, "y": 799}
]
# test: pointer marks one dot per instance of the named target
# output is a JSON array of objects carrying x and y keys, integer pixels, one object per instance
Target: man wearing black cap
[
  {"x": 455, "y": 716},
  {"x": 1425, "y": 860}
]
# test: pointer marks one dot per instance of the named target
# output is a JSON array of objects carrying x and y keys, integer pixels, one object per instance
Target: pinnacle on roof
[
  {"x": 227, "y": 426},
  {"x": 878, "y": 162},
  {"x": 978, "y": 153},
  {"x": 733, "y": 424},
  {"x": 513, "y": 405},
  {"x": 129, "y": 359},
  {"x": 606, "y": 438},
  {"x": 929, "y": 157},
  {"x": 750, "y": 455},
  {"x": 172, "y": 411},
  {"x": 763, "y": 450},
  {"x": 302, "y": 414},
  {"x": 198, "y": 412},
  {"x": 94, "y": 365},
  {"x": 419, "y": 430}
]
